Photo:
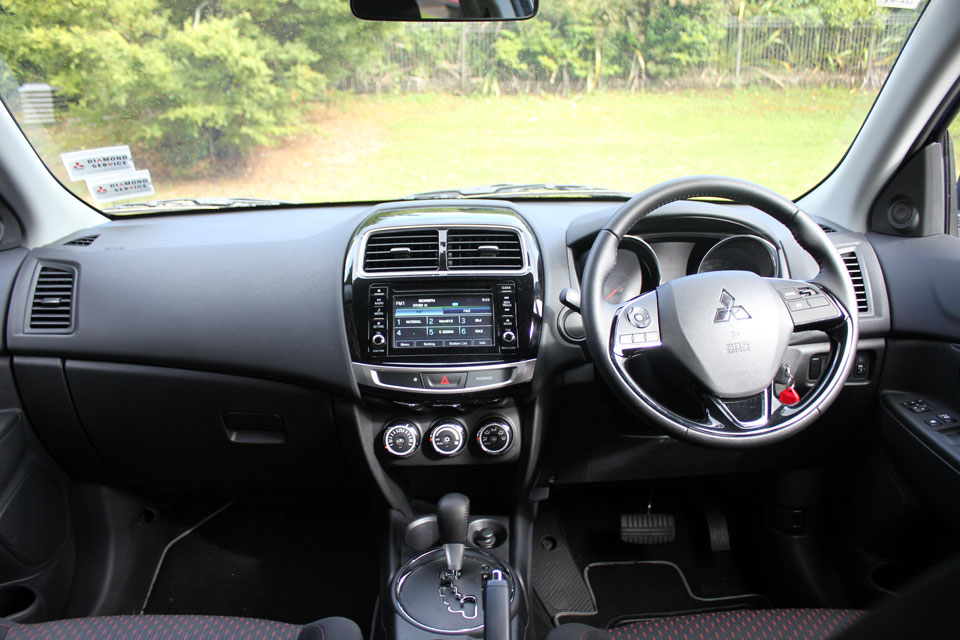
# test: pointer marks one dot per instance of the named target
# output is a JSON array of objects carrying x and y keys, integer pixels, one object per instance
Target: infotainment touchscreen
[{"x": 425, "y": 321}]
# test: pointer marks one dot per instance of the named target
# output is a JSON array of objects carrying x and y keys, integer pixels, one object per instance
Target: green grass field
[
  {"x": 362, "y": 147},
  {"x": 367, "y": 147}
]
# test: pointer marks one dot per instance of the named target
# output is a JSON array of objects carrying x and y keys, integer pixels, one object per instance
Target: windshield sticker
[
  {"x": 899, "y": 4},
  {"x": 129, "y": 185},
  {"x": 81, "y": 165}
]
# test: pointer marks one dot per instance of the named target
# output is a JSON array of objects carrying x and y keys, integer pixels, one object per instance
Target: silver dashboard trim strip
[{"x": 366, "y": 375}]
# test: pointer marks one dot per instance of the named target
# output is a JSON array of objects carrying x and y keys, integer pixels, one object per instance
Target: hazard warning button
[{"x": 442, "y": 380}]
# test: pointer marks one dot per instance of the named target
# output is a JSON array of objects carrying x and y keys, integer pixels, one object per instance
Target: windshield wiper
[
  {"x": 202, "y": 203},
  {"x": 532, "y": 189}
]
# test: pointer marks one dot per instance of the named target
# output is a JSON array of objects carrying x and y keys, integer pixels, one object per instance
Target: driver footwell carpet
[{"x": 627, "y": 591}]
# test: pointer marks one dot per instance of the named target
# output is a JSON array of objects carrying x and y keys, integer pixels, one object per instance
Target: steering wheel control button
[
  {"x": 639, "y": 317},
  {"x": 798, "y": 305},
  {"x": 789, "y": 294},
  {"x": 408, "y": 380},
  {"x": 489, "y": 377},
  {"x": 444, "y": 380},
  {"x": 495, "y": 436},
  {"x": 448, "y": 438},
  {"x": 401, "y": 438},
  {"x": 808, "y": 304}
]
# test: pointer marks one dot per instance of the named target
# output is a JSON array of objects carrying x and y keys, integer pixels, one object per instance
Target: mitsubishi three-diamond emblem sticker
[{"x": 728, "y": 309}]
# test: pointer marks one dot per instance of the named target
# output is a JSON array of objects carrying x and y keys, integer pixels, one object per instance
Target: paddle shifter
[{"x": 453, "y": 516}]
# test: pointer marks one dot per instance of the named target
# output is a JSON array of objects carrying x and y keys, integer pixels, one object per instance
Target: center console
[{"x": 443, "y": 309}]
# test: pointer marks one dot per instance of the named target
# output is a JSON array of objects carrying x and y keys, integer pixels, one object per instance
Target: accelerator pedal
[
  {"x": 647, "y": 528},
  {"x": 718, "y": 529}
]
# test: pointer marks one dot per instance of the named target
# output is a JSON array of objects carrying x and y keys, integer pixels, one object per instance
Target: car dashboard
[{"x": 280, "y": 348}]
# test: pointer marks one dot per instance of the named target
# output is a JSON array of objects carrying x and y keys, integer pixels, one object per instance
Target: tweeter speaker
[{"x": 902, "y": 214}]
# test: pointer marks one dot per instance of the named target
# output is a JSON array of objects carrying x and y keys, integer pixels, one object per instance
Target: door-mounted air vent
[
  {"x": 409, "y": 250},
  {"x": 85, "y": 241},
  {"x": 484, "y": 249},
  {"x": 852, "y": 262},
  {"x": 51, "y": 306}
]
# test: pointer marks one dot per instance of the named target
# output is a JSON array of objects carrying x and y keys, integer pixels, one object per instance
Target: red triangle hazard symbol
[{"x": 444, "y": 380}]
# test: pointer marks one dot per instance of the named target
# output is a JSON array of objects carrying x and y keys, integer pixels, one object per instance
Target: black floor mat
[
  {"x": 626, "y": 591},
  {"x": 557, "y": 580},
  {"x": 291, "y": 564}
]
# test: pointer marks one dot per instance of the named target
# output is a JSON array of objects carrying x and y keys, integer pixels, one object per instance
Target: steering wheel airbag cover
[{"x": 729, "y": 329}]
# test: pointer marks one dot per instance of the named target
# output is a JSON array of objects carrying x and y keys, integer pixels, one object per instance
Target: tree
[{"x": 150, "y": 73}]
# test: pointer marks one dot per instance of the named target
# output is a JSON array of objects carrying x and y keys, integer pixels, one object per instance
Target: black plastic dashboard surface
[{"x": 261, "y": 293}]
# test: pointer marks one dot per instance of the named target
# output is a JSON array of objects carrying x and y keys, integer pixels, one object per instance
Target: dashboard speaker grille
[
  {"x": 85, "y": 241},
  {"x": 484, "y": 249},
  {"x": 412, "y": 250},
  {"x": 852, "y": 262},
  {"x": 52, "y": 302}
]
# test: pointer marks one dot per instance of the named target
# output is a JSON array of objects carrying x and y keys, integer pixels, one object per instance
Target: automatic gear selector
[{"x": 445, "y": 589}]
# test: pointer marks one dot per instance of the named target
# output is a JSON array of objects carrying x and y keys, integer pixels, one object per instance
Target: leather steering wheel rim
[{"x": 832, "y": 282}]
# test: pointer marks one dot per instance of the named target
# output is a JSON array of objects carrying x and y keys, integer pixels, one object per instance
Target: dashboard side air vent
[
  {"x": 407, "y": 250},
  {"x": 484, "y": 249},
  {"x": 852, "y": 262},
  {"x": 85, "y": 241},
  {"x": 827, "y": 228},
  {"x": 51, "y": 305}
]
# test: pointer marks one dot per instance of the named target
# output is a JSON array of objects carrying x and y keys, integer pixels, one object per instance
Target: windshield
[{"x": 191, "y": 103}]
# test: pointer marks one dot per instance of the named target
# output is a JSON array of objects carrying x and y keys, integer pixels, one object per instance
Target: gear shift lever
[{"x": 453, "y": 516}]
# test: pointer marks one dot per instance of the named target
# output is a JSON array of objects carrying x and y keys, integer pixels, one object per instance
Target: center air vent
[
  {"x": 852, "y": 262},
  {"x": 484, "y": 249},
  {"x": 409, "y": 250},
  {"x": 51, "y": 307}
]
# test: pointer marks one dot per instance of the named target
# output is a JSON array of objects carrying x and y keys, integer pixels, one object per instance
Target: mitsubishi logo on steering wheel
[{"x": 727, "y": 309}]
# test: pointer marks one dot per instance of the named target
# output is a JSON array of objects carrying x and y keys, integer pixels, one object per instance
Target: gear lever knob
[{"x": 453, "y": 517}]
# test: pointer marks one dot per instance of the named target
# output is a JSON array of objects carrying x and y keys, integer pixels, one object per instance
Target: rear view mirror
[{"x": 444, "y": 10}]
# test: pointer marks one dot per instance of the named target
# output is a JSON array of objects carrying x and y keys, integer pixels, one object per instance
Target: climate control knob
[
  {"x": 378, "y": 340},
  {"x": 508, "y": 337},
  {"x": 495, "y": 436},
  {"x": 448, "y": 438},
  {"x": 401, "y": 438}
]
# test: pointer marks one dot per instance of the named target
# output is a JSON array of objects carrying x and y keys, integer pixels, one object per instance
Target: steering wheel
[{"x": 728, "y": 330}]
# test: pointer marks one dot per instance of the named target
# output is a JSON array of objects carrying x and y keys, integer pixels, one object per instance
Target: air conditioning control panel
[{"x": 429, "y": 441}]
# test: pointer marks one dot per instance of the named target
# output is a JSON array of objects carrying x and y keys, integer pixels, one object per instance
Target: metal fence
[
  {"x": 783, "y": 51},
  {"x": 461, "y": 57}
]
